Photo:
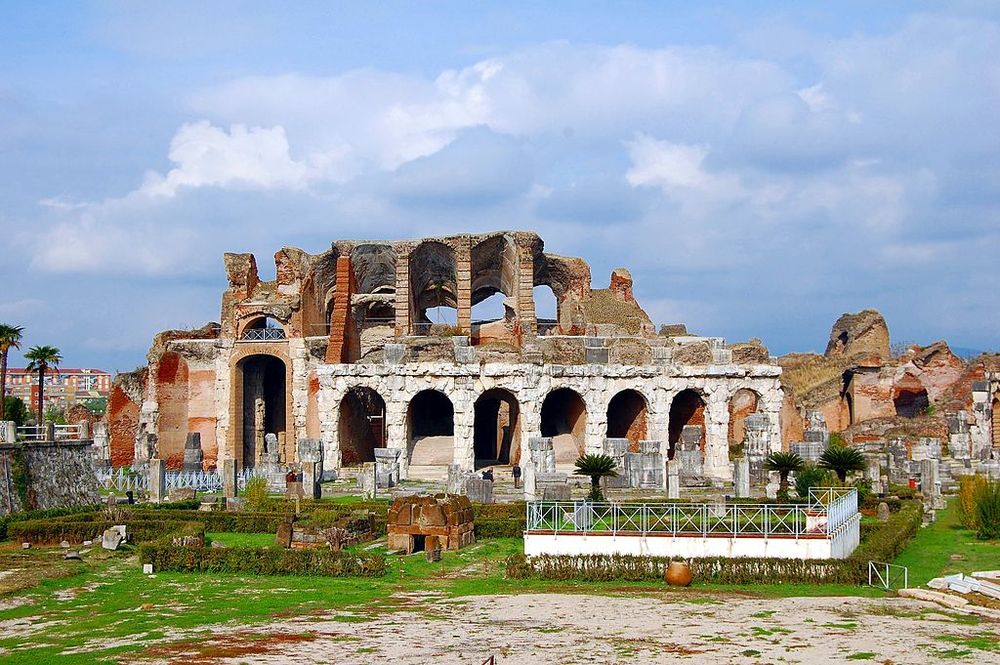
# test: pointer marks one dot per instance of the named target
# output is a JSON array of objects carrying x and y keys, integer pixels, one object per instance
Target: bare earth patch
[{"x": 554, "y": 628}]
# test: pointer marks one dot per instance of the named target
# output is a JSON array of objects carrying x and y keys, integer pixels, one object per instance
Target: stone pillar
[
  {"x": 463, "y": 275},
  {"x": 227, "y": 470},
  {"x": 194, "y": 458},
  {"x": 525, "y": 294},
  {"x": 83, "y": 427},
  {"x": 673, "y": 480},
  {"x": 102, "y": 445},
  {"x": 716, "y": 464},
  {"x": 741, "y": 477},
  {"x": 8, "y": 431},
  {"x": 157, "y": 480},
  {"x": 464, "y": 421},
  {"x": 395, "y": 415},
  {"x": 403, "y": 306},
  {"x": 50, "y": 431},
  {"x": 310, "y": 454}
]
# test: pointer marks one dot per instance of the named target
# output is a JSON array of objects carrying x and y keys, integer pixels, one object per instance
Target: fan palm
[
  {"x": 42, "y": 359},
  {"x": 597, "y": 467},
  {"x": 10, "y": 338},
  {"x": 784, "y": 463},
  {"x": 842, "y": 460}
]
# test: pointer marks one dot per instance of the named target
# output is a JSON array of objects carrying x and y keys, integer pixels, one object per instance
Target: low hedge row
[
  {"x": 54, "y": 531},
  {"x": 31, "y": 515},
  {"x": 262, "y": 561},
  {"x": 499, "y": 528},
  {"x": 881, "y": 542}
]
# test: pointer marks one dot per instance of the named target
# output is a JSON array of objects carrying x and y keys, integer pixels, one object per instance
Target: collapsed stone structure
[
  {"x": 442, "y": 521},
  {"x": 341, "y": 348}
]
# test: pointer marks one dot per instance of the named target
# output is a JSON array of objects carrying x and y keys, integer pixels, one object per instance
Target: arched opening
[
  {"x": 909, "y": 397},
  {"x": 743, "y": 402},
  {"x": 687, "y": 409},
  {"x": 494, "y": 319},
  {"x": 263, "y": 329},
  {"x": 262, "y": 379},
  {"x": 564, "y": 418},
  {"x": 430, "y": 425},
  {"x": 627, "y": 414},
  {"x": 996, "y": 420},
  {"x": 362, "y": 426},
  {"x": 546, "y": 309},
  {"x": 496, "y": 435},
  {"x": 849, "y": 401},
  {"x": 433, "y": 286}
]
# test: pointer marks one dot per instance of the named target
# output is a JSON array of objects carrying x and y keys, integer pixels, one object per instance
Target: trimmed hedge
[
  {"x": 499, "y": 528},
  {"x": 31, "y": 515},
  {"x": 261, "y": 561},
  {"x": 54, "y": 531},
  {"x": 881, "y": 542}
]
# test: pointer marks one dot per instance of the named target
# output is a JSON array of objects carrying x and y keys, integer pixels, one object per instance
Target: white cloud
[{"x": 665, "y": 164}]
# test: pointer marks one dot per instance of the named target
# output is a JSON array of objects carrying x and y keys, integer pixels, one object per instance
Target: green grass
[
  {"x": 242, "y": 539},
  {"x": 929, "y": 553},
  {"x": 862, "y": 655}
]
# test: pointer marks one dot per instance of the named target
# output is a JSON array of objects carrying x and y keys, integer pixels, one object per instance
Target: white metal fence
[
  {"x": 888, "y": 576},
  {"x": 125, "y": 479},
  {"x": 693, "y": 519},
  {"x": 40, "y": 433}
]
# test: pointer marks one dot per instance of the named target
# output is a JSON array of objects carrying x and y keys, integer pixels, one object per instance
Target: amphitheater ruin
[{"x": 377, "y": 345}]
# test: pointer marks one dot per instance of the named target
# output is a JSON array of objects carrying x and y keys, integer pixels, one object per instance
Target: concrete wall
[{"x": 58, "y": 474}]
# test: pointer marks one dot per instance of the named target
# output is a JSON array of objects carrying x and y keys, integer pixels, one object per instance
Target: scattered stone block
[
  {"x": 147, "y": 569},
  {"x": 113, "y": 537},
  {"x": 883, "y": 512}
]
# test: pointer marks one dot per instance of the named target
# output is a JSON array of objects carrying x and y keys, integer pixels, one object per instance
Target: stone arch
[
  {"x": 262, "y": 327},
  {"x": 628, "y": 413},
  {"x": 497, "y": 428},
  {"x": 909, "y": 397},
  {"x": 262, "y": 404},
  {"x": 433, "y": 280},
  {"x": 686, "y": 408},
  {"x": 430, "y": 430},
  {"x": 361, "y": 425},
  {"x": 743, "y": 402},
  {"x": 564, "y": 418}
]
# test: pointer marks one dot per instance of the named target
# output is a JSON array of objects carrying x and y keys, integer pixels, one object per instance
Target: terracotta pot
[{"x": 678, "y": 574}]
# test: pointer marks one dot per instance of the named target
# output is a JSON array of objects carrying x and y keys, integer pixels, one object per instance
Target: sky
[{"x": 760, "y": 167}]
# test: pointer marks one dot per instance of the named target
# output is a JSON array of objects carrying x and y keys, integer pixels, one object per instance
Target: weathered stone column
[
  {"x": 227, "y": 469},
  {"x": 717, "y": 436},
  {"x": 8, "y": 431},
  {"x": 463, "y": 277},
  {"x": 741, "y": 477},
  {"x": 403, "y": 307},
  {"x": 465, "y": 414},
  {"x": 157, "y": 480},
  {"x": 525, "y": 293},
  {"x": 395, "y": 415}
]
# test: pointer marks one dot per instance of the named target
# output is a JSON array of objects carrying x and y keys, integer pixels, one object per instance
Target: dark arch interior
[
  {"x": 431, "y": 414},
  {"x": 362, "y": 426},
  {"x": 495, "y": 436},
  {"x": 850, "y": 408},
  {"x": 688, "y": 408},
  {"x": 263, "y": 377},
  {"x": 564, "y": 418},
  {"x": 910, "y": 402},
  {"x": 741, "y": 405},
  {"x": 627, "y": 418}
]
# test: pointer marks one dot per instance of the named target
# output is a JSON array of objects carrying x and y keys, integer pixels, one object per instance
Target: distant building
[{"x": 63, "y": 387}]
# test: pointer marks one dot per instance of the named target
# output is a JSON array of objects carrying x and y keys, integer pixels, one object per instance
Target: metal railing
[
  {"x": 263, "y": 334},
  {"x": 676, "y": 519},
  {"x": 888, "y": 575},
  {"x": 125, "y": 479},
  {"x": 39, "y": 432}
]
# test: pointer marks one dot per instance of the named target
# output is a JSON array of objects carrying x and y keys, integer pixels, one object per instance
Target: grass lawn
[
  {"x": 241, "y": 539},
  {"x": 929, "y": 554}
]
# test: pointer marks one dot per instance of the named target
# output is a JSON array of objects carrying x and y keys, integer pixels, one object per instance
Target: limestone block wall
[
  {"x": 530, "y": 384},
  {"x": 57, "y": 474}
]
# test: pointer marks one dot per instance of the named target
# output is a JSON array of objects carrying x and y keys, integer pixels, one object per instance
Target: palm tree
[
  {"x": 597, "y": 467},
  {"x": 10, "y": 338},
  {"x": 842, "y": 460},
  {"x": 784, "y": 463},
  {"x": 43, "y": 358}
]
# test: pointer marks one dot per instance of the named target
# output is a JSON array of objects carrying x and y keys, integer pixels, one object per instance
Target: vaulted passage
[
  {"x": 362, "y": 426},
  {"x": 497, "y": 437},
  {"x": 627, "y": 416},
  {"x": 742, "y": 404},
  {"x": 262, "y": 378},
  {"x": 430, "y": 425},
  {"x": 687, "y": 408},
  {"x": 564, "y": 418},
  {"x": 909, "y": 397}
]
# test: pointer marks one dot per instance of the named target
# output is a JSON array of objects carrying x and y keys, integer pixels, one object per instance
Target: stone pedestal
[
  {"x": 387, "y": 467},
  {"x": 673, "y": 480},
  {"x": 310, "y": 455},
  {"x": 194, "y": 458},
  {"x": 479, "y": 490},
  {"x": 690, "y": 457},
  {"x": 227, "y": 469},
  {"x": 617, "y": 449},
  {"x": 542, "y": 460},
  {"x": 366, "y": 480},
  {"x": 157, "y": 480},
  {"x": 8, "y": 431},
  {"x": 553, "y": 486},
  {"x": 102, "y": 445},
  {"x": 741, "y": 477}
]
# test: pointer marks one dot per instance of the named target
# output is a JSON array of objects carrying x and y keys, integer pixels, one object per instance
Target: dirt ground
[{"x": 551, "y": 628}]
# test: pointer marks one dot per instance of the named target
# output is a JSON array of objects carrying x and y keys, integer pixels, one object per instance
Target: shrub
[
  {"x": 262, "y": 561},
  {"x": 255, "y": 492},
  {"x": 50, "y": 513},
  {"x": 988, "y": 510},
  {"x": 53, "y": 531},
  {"x": 967, "y": 486},
  {"x": 500, "y": 528},
  {"x": 810, "y": 476},
  {"x": 498, "y": 510}
]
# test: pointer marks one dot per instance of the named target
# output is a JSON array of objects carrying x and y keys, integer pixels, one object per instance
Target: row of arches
[{"x": 497, "y": 428}]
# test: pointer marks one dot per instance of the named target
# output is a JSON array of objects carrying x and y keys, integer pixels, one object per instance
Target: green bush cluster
[
  {"x": 262, "y": 561},
  {"x": 32, "y": 515},
  {"x": 886, "y": 542},
  {"x": 499, "y": 528},
  {"x": 987, "y": 510},
  {"x": 78, "y": 528}
]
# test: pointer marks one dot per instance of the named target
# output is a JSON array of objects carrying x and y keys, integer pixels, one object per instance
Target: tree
[
  {"x": 807, "y": 477},
  {"x": 10, "y": 338},
  {"x": 784, "y": 463},
  {"x": 842, "y": 460},
  {"x": 15, "y": 409},
  {"x": 96, "y": 405},
  {"x": 597, "y": 467},
  {"x": 42, "y": 359}
]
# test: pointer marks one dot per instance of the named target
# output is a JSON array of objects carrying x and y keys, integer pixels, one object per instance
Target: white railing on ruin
[
  {"x": 263, "y": 334},
  {"x": 840, "y": 503},
  {"x": 40, "y": 432},
  {"x": 679, "y": 519},
  {"x": 888, "y": 576},
  {"x": 125, "y": 479}
]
